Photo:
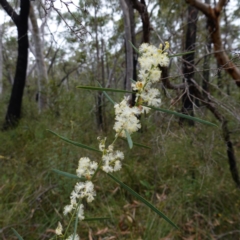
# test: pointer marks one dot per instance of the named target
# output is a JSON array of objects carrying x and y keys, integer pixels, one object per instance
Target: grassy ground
[{"x": 185, "y": 175}]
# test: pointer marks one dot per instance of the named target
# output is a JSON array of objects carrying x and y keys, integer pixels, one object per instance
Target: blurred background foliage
[{"x": 185, "y": 174}]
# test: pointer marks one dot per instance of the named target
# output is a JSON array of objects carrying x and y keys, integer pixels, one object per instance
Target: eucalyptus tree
[
  {"x": 213, "y": 15},
  {"x": 87, "y": 35},
  {"x": 41, "y": 67},
  {"x": 207, "y": 100},
  {"x": 1, "y": 59},
  {"x": 188, "y": 62},
  {"x": 21, "y": 22},
  {"x": 206, "y": 63},
  {"x": 128, "y": 29}
]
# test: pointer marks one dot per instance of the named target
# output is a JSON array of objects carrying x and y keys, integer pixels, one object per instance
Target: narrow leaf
[
  {"x": 129, "y": 139},
  {"x": 108, "y": 97},
  {"x": 134, "y": 47},
  {"x": 136, "y": 144},
  {"x": 95, "y": 219},
  {"x": 133, "y": 81},
  {"x": 69, "y": 175},
  {"x": 141, "y": 145},
  {"x": 74, "y": 143},
  {"x": 143, "y": 200},
  {"x": 103, "y": 89},
  {"x": 17, "y": 234},
  {"x": 181, "y": 54},
  {"x": 183, "y": 115}
]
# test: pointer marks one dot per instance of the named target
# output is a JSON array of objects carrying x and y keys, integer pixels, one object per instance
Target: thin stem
[{"x": 72, "y": 218}]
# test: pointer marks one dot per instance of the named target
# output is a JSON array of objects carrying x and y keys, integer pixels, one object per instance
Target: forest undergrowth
[{"x": 185, "y": 175}]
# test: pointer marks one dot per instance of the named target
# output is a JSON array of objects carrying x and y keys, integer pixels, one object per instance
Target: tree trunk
[
  {"x": 104, "y": 119},
  {"x": 1, "y": 59},
  {"x": 141, "y": 7},
  {"x": 213, "y": 17},
  {"x": 129, "y": 49},
  {"x": 206, "y": 63},
  {"x": 133, "y": 40},
  {"x": 99, "y": 97},
  {"x": 21, "y": 22},
  {"x": 41, "y": 68},
  {"x": 188, "y": 63}
]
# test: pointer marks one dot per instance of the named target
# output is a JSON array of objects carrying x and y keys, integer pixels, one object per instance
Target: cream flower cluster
[
  {"x": 59, "y": 229},
  {"x": 86, "y": 168},
  {"x": 81, "y": 190},
  {"x": 152, "y": 56},
  {"x": 59, "y": 232},
  {"x": 126, "y": 118},
  {"x": 150, "y": 60},
  {"x": 111, "y": 160},
  {"x": 75, "y": 238}
]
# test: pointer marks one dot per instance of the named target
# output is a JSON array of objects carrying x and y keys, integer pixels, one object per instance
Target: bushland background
[{"x": 190, "y": 173}]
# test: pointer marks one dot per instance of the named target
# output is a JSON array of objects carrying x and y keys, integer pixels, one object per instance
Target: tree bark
[
  {"x": 142, "y": 9},
  {"x": 104, "y": 119},
  {"x": 133, "y": 37},
  {"x": 41, "y": 68},
  {"x": 213, "y": 17},
  {"x": 188, "y": 63},
  {"x": 206, "y": 63},
  {"x": 1, "y": 59},
  {"x": 131, "y": 5},
  {"x": 21, "y": 22},
  {"x": 129, "y": 50},
  {"x": 99, "y": 97}
]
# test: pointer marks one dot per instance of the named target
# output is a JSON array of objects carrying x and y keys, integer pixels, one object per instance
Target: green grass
[{"x": 185, "y": 175}]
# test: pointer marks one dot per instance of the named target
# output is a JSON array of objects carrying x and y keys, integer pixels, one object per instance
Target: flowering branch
[{"x": 151, "y": 60}]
